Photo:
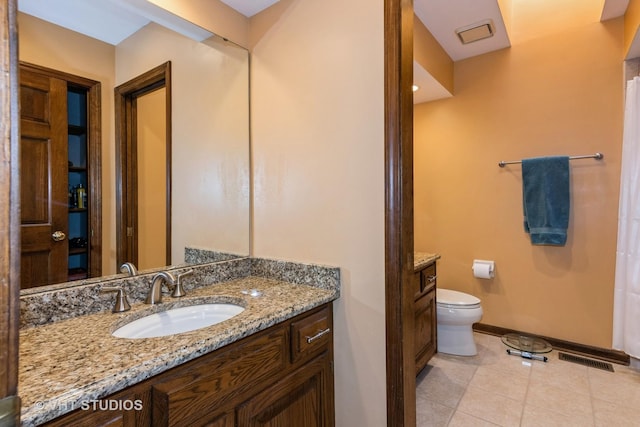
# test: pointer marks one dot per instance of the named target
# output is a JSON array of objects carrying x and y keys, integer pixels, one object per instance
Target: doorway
[
  {"x": 143, "y": 169},
  {"x": 61, "y": 214}
]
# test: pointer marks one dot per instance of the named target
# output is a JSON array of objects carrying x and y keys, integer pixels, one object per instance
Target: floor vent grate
[{"x": 587, "y": 362}]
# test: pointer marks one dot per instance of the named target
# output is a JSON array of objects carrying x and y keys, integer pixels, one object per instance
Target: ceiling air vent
[{"x": 474, "y": 32}]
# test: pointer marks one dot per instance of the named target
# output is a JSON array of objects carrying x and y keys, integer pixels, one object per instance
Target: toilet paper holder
[{"x": 483, "y": 269}]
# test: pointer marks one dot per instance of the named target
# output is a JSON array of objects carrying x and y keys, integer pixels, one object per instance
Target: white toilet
[{"x": 456, "y": 312}]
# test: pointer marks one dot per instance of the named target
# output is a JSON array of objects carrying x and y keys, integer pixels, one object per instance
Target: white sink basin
[{"x": 178, "y": 320}]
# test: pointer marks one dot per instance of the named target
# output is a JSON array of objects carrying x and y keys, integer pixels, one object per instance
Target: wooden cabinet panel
[
  {"x": 424, "y": 285},
  {"x": 299, "y": 399},
  {"x": 188, "y": 397},
  {"x": 225, "y": 420},
  {"x": 92, "y": 419},
  {"x": 425, "y": 331}
]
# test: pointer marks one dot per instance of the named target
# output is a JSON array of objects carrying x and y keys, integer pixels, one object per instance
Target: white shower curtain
[{"x": 626, "y": 304}]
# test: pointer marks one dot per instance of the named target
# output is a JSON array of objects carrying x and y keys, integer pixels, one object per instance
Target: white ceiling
[
  {"x": 613, "y": 9},
  {"x": 109, "y": 20},
  {"x": 249, "y": 7},
  {"x": 97, "y": 20},
  {"x": 114, "y": 20},
  {"x": 443, "y": 17}
]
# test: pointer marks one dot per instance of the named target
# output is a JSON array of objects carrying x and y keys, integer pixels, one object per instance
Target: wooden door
[{"x": 43, "y": 177}]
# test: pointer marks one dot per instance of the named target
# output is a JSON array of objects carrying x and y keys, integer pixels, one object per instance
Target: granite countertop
[
  {"x": 68, "y": 362},
  {"x": 423, "y": 259}
]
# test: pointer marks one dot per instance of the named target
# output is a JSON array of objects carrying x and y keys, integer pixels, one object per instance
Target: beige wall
[
  {"x": 318, "y": 165},
  {"x": 556, "y": 91},
  {"x": 210, "y": 150},
  {"x": 50, "y": 46}
]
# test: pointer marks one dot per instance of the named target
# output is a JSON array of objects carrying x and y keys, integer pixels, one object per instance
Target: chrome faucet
[
  {"x": 155, "y": 291},
  {"x": 129, "y": 268}
]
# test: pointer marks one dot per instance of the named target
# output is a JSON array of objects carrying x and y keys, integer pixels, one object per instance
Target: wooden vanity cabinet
[
  {"x": 424, "y": 284},
  {"x": 277, "y": 377}
]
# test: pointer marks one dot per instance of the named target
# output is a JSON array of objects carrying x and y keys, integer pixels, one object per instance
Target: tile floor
[{"x": 496, "y": 389}]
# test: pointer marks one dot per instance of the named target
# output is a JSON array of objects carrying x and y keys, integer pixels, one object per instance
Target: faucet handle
[
  {"x": 178, "y": 290},
  {"x": 122, "y": 303}
]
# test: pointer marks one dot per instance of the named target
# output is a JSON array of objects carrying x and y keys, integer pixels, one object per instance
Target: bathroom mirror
[{"x": 209, "y": 113}]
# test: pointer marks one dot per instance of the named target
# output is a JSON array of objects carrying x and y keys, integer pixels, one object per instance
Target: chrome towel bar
[{"x": 597, "y": 156}]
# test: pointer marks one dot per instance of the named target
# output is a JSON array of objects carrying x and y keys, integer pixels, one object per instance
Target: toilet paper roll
[{"x": 483, "y": 270}]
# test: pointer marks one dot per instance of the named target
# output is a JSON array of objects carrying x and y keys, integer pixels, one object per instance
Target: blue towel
[{"x": 545, "y": 193}]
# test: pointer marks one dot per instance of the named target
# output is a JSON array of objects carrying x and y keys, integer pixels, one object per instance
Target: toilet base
[{"x": 456, "y": 340}]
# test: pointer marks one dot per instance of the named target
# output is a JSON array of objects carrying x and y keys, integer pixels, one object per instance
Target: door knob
[{"x": 58, "y": 236}]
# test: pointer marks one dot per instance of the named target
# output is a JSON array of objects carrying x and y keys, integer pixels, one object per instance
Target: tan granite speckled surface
[
  {"x": 65, "y": 363},
  {"x": 423, "y": 259}
]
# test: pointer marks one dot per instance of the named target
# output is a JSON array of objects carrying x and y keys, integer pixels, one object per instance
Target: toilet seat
[{"x": 448, "y": 298}]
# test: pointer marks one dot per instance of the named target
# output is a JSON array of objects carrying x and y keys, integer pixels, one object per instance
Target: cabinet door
[
  {"x": 304, "y": 398},
  {"x": 425, "y": 328},
  {"x": 202, "y": 393}
]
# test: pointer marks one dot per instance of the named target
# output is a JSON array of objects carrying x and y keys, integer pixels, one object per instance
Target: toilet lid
[{"x": 455, "y": 298}]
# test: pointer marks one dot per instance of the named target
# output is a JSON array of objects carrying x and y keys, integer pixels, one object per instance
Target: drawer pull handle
[
  {"x": 432, "y": 279},
  {"x": 318, "y": 335}
]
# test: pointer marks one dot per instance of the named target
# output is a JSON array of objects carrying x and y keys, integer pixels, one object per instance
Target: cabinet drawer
[
  {"x": 428, "y": 279},
  {"x": 312, "y": 332}
]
